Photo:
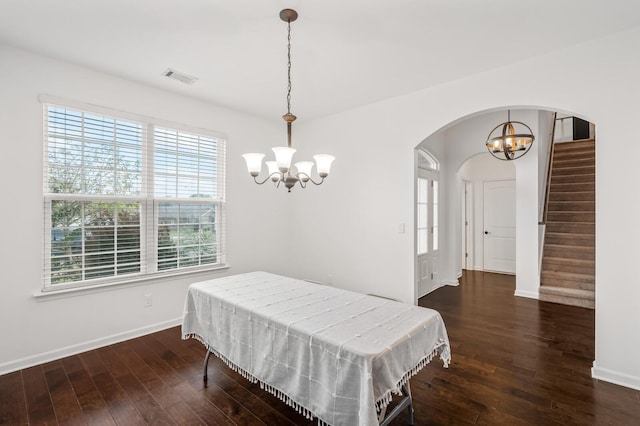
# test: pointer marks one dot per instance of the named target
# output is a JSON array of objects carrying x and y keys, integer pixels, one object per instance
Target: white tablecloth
[{"x": 331, "y": 353}]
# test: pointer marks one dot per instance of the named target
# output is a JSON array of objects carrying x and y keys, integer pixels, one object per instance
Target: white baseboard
[
  {"x": 528, "y": 294},
  {"x": 615, "y": 377},
  {"x": 437, "y": 286},
  {"x": 451, "y": 283},
  {"x": 30, "y": 361}
]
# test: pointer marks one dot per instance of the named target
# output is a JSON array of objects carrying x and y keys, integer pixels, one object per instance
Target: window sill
[{"x": 53, "y": 293}]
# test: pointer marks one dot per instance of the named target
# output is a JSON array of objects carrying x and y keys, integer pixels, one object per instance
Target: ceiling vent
[{"x": 180, "y": 76}]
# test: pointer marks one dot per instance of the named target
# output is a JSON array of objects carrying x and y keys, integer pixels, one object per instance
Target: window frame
[
  {"x": 419, "y": 226},
  {"x": 149, "y": 212},
  {"x": 428, "y": 170}
]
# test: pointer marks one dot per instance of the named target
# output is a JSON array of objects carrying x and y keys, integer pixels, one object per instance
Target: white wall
[
  {"x": 527, "y": 250},
  {"x": 348, "y": 227},
  {"x": 33, "y": 330}
]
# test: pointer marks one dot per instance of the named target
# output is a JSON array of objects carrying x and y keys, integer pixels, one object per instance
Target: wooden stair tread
[
  {"x": 585, "y": 235},
  {"x": 566, "y": 179},
  {"x": 575, "y": 170},
  {"x": 571, "y": 211},
  {"x": 566, "y": 261},
  {"x": 575, "y": 154},
  {"x": 568, "y": 247},
  {"x": 573, "y": 292},
  {"x": 571, "y": 216},
  {"x": 573, "y": 164},
  {"x": 568, "y": 224},
  {"x": 555, "y": 214},
  {"x": 577, "y": 144},
  {"x": 587, "y": 243},
  {"x": 572, "y": 196},
  {"x": 566, "y": 157},
  {"x": 571, "y": 206},
  {"x": 568, "y": 276},
  {"x": 568, "y": 296}
]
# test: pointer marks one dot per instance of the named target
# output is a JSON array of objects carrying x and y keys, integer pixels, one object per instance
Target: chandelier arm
[
  {"x": 309, "y": 178},
  {"x": 255, "y": 178}
]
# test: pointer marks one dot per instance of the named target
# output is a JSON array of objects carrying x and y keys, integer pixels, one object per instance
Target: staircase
[{"x": 568, "y": 262}]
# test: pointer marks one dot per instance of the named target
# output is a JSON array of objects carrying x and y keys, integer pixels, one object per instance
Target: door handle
[{"x": 486, "y": 232}]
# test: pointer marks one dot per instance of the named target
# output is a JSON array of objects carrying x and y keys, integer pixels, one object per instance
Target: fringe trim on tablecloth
[
  {"x": 385, "y": 399},
  {"x": 224, "y": 359},
  {"x": 382, "y": 402},
  {"x": 272, "y": 390},
  {"x": 284, "y": 397}
]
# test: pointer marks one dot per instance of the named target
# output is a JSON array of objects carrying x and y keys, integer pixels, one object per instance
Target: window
[
  {"x": 427, "y": 204},
  {"x": 125, "y": 196},
  {"x": 427, "y": 215},
  {"x": 434, "y": 223},
  {"x": 423, "y": 215},
  {"x": 427, "y": 161}
]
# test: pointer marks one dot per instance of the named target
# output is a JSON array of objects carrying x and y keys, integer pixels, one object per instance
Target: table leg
[
  {"x": 406, "y": 391},
  {"x": 404, "y": 403},
  {"x": 206, "y": 365}
]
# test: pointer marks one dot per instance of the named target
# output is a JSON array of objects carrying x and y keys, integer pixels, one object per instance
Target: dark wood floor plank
[
  {"x": 121, "y": 407},
  {"x": 235, "y": 411},
  {"x": 202, "y": 406},
  {"x": 155, "y": 362},
  {"x": 515, "y": 361},
  {"x": 128, "y": 381},
  {"x": 13, "y": 409},
  {"x": 151, "y": 412},
  {"x": 39, "y": 406},
  {"x": 154, "y": 384},
  {"x": 65, "y": 404},
  {"x": 182, "y": 414},
  {"x": 91, "y": 402},
  {"x": 92, "y": 363}
]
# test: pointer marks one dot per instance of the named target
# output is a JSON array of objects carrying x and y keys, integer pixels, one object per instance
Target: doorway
[
  {"x": 488, "y": 205},
  {"x": 427, "y": 223}
]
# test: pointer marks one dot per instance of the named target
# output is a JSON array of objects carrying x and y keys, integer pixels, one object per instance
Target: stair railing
[{"x": 549, "y": 168}]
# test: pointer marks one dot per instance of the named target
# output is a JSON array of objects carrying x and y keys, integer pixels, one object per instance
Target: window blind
[{"x": 126, "y": 197}]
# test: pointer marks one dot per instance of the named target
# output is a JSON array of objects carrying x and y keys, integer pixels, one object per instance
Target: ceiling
[{"x": 345, "y": 53}]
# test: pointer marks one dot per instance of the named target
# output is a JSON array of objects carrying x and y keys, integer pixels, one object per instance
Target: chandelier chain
[{"x": 288, "y": 66}]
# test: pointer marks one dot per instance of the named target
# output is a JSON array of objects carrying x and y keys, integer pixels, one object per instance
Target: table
[{"x": 330, "y": 353}]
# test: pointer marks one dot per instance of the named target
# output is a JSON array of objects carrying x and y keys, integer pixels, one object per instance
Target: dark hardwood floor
[{"x": 514, "y": 361}]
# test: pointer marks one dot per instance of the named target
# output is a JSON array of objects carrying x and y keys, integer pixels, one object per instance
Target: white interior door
[{"x": 500, "y": 226}]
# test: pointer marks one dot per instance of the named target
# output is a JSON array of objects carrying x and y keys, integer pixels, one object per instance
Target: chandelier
[
  {"x": 509, "y": 144},
  {"x": 280, "y": 170}
]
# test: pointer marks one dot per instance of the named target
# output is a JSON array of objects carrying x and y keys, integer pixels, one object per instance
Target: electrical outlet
[{"x": 148, "y": 300}]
